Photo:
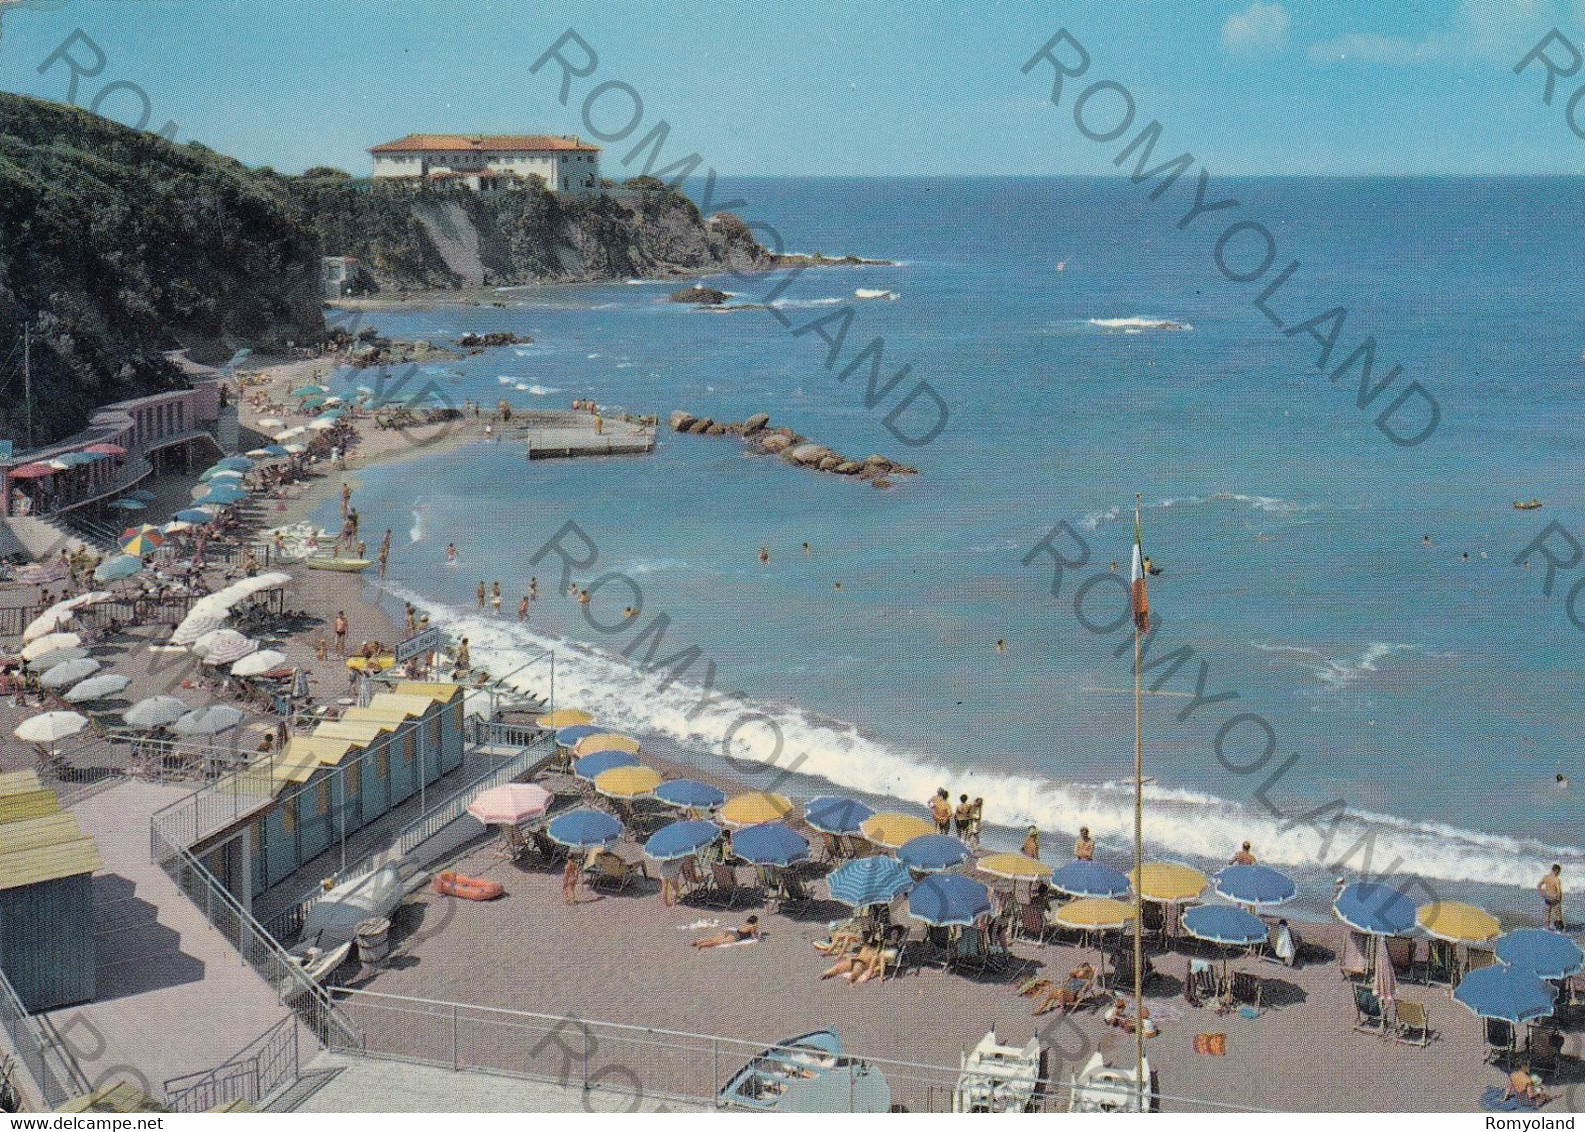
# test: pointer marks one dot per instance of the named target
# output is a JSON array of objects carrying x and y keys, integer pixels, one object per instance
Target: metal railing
[
  {"x": 48, "y": 1061},
  {"x": 286, "y": 924},
  {"x": 647, "y": 1063},
  {"x": 291, "y": 984},
  {"x": 213, "y": 807},
  {"x": 266, "y": 1064}
]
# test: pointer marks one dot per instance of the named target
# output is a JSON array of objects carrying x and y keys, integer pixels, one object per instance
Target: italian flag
[{"x": 1137, "y": 582}]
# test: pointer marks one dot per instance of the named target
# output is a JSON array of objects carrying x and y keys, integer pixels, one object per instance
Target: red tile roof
[{"x": 482, "y": 143}]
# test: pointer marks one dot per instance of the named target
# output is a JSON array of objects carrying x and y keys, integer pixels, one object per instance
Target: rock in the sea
[
  {"x": 755, "y": 423},
  {"x": 809, "y": 453},
  {"x": 701, "y": 425},
  {"x": 681, "y": 420},
  {"x": 494, "y": 338},
  {"x": 705, "y": 296},
  {"x": 714, "y": 429},
  {"x": 829, "y": 463},
  {"x": 776, "y": 443},
  {"x": 848, "y": 468},
  {"x": 882, "y": 483},
  {"x": 878, "y": 462}
]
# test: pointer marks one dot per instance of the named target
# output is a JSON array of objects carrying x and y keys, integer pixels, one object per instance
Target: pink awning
[
  {"x": 32, "y": 471},
  {"x": 107, "y": 449}
]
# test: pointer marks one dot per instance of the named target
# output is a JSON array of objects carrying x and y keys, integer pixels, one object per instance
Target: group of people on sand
[{"x": 966, "y": 815}]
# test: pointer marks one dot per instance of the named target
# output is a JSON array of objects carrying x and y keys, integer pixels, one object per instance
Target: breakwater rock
[{"x": 793, "y": 447}]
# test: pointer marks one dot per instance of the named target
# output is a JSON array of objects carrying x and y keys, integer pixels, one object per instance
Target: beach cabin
[
  {"x": 450, "y": 700},
  {"x": 46, "y": 896}
]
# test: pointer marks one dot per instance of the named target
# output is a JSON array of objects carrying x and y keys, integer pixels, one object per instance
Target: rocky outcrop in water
[
  {"x": 793, "y": 447},
  {"x": 704, "y": 296}
]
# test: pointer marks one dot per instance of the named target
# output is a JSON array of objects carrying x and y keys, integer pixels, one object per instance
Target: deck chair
[
  {"x": 1543, "y": 1047},
  {"x": 894, "y": 951},
  {"x": 1499, "y": 1042},
  {"x": 1410, "y": 1024},
  {"x": 1476, "y": 958},
  {"x": 1401, "y": 951},
  {"x": 968, "y": 949},
  {"x": 784, "y": 888},
  {"x": 546, "y": 848},
  {"x": 609, "y": 869},
  {"x": 1441, "y": 963},
  {"x": 1369, "y": 1017},
  {"x": 1199, "y": 982},
  {"x": 1246, "y": 988},
  {"x": 724, "y": 885},
  {"x": 514, "y": 843},
  {"x": 1121, "y": 962},
  {"x": 688, "y": 878}
]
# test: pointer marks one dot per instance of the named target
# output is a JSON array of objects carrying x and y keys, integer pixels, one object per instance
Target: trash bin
[{"x": 374, "y": 940}]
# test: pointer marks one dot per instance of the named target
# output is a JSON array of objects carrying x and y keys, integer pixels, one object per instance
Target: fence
[
  {"x": 266, "y": 1064},
  {"x": 257, "y": 947},
  {"x": 287, "y": 924},
  {"x": 643, "y": 1063},
  {"x": 54, "y": 1070},
  {"x": 14, "y": 619},
  {"x": 213, "y": 807}
]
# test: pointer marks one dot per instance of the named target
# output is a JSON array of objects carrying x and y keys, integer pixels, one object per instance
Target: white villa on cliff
[{"x": 488, "y": 163}]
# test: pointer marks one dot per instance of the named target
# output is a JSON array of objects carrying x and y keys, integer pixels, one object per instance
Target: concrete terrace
[{"x": 173, "y": 996}]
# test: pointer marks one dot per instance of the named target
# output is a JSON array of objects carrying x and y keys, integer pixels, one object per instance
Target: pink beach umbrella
[{"x": 512, "y": 804}]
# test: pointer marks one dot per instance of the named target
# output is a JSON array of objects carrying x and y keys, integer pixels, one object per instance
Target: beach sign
[{"x": 417, "y": 645}]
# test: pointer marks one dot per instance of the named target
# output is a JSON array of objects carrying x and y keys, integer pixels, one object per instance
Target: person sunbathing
[
  {"x": 1525, "y": 1086},
  {"x": 749, "y": 930},
  {"x": 839, "y": 942},
  {"x": 862, "y": 966},
  {"x": 1118, "y": 1015},
  {"x": 1079, "y": 987}
]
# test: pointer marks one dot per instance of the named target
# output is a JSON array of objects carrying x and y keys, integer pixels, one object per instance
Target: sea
[{"x": 1353, "y": 667}]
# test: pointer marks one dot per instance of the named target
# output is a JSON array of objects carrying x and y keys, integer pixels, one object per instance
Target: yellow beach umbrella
[
  {"x": 1014, "y": 866},
  {"x": 1094, "y": 913},
  {"x": 1167, "y": 882},
  {"x": 753, "y": 808},
  {"x": 627, "y": 782},
  {"x": 564, "y": 717},
  {"x": 892, "y": 831},
  {"x": 590, "y": 744},
  {"x": 1457, "y": 922}
]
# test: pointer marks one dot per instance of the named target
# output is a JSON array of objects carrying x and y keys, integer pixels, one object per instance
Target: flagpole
[{"x": 1139, "y": 864}]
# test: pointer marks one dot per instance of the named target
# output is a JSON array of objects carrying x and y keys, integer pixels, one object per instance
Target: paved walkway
[
  {"x": 173, "y": 997},
  {"x": 334, "y": 1083}
]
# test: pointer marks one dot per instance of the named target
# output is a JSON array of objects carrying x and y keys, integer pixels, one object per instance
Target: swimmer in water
[
  {"x": 1425, "y": 540},
  {"x": 806, "y": 548},
  {"x": 1466, "y": 556},
  {"x": 451, "y": 553},
  {"x": 1151, "y": 568},
  {"x": 629, "y": 613},
  {"x": 764, "y": 556},
  {"x": 837, "y": 584},
  {"x": 1001, "y": 646},
  {"x": 1562, "y": 781}
]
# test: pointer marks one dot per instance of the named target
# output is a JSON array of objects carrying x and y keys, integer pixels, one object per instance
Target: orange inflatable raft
[{"x": 468, "y": 888}]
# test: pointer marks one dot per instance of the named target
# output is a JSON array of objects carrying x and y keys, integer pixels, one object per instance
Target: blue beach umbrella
[
  {"x": 193, "y": 515},
  {"x": 1508, "y": 993},
  {"x": 770, "y": 843},
  {"x": 1258, "y": 885},
  {"x": 569, "y": 736},
  {"x": 680, "y": 839},
  {"x": 1087, "y": 878},
  {"x": 142, "y": 495},
  {"x": 117, "y": 568},
  {"x": 235, "y": 464},
  {"x": 210, "y": 475},
  {"x": 584, "y": 829},
  {"x": 1219, "y": 923},
  {"x": 869, "y": 880},
  {"x": 274, "y": 450},
  {"x": 592, "y": 766},
  {"x": 837, "y": 816},
  {"x": 1375, "y": 909},
  {"x": 688, "y": 794},
  {"x": 128, "y": 504},
  {"x": 933, "y": 853},
  {"x": 1548, "y": 954},
  {"x": 223, "y": 495},
  {"x": 949, "y": 900}
]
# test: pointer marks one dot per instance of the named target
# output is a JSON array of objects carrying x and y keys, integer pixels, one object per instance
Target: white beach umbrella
[
  {"x": 295, "y": 449},
  {"x": 203, "y": 618},
  {"x": 211, "y": 720},
  {"x": 176, "y": 526},
  {"x": 98, "y": 687},
  {"x": 67, "y": 674},
  {"x": 51, "y": 727},
  {"x": 92, "y": 597},
  {"x": 270, "y": 422},
  {"x": 50, "y": 622},
  {"x": 269, "y": 580},
  {"x": 49, "y": 643},
  {"x": 321, "y": 424},
  {"x": 48, "y": 660},
  {"x": 228, "y": 645},
  {"x": 156, "y": 711},
  {"x": 257, "y": 664}
]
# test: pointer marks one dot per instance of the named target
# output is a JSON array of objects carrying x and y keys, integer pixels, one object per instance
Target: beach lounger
[
  {"x": 1351, "y": 956},
  {"x": 1121, "y": 962},
  {"x": 1476, "y": 958},
  {"x": 1369, "y": 1017},
  {"x": 546, "y": 848},
  {"x": 609, "y": 869},
  {"x": 514, "y": 843},
  {"x": 1410, "y": 1023},
  {"x": 1200, "y": 982},
  {"x": 1499, "y": 1042},
  {"x": 1402, "y": 950},
  {"x": 1543, "y": 1047},
  {"x": 724, "y": 885},
  {"x": 1441, "y": 963},
  {"x": 1246, "y": 988},
  {"x": 894, "y": 951},
  {"x": 968, "y": 949}
]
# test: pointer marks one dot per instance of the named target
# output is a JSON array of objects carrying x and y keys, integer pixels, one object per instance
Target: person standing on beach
[
  {"x": 976, "y": 816},
  {"x": 346, "y": 500},
  {"x": 341, "y": 632},
  {"x": 483, "y": 594},
  {"x": 451, "y": 553},
  {"x": 533, "y": 589},
  {"x": 385, "y": 553},
  {"x": 964, "y": 817},
  {"x": 1551, "y": 890},
  {"x": 1031, "y": 846},
  {"x": 569, "y": 880},
  {"x": 495, "y": 600},
  {"x": 1243, "y": 856},
  {"x": 522, "y": 609},
  {"x": 1084, "y": 847},
  {"x": 941, "y": 810}
]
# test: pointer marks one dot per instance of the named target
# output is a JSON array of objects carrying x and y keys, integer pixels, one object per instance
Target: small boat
[
  {"x": 1105, "y": 1088},
  {"x": 335, "y": 916},
  {"x": 466, "y": 887},
  {"x": 998, "y": 1078},
  {"x": 345, "y": 565},
  {"x": 808, "y": 1074},
  {"x": 1533, "y": 505},
  {"x": 874, "y": 293}
]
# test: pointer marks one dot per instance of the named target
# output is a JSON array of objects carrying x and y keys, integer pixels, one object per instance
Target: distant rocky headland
[{"x": 794, "y": 448}]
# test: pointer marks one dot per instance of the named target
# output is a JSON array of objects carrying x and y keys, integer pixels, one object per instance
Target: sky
[{"x": 831, "y": 87}]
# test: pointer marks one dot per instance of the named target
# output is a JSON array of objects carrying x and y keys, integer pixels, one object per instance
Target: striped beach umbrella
[
  {"x": 869, "y": 880},
  {"x": 141, "y": 543}
]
